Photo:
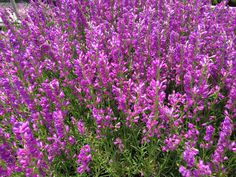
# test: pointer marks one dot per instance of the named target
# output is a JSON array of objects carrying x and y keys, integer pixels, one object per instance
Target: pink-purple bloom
[
  {"x": 149, "y": 79},
  {"x": 84, "y": 158}
]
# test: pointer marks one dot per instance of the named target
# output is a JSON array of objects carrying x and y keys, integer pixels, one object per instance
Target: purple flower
[
  {"x": 172, "y": 143},
  {"x": 84, "y": 158},
  {"x": 185, "y": 172},
  {"x": 189, "y": 156},
  {"x": 81, "y": 127},
  {"x": 59, "y": 124},
  {"x": 202, "y": 169},
  {"x": 162, "y": 68},
  {"x": 209, "y": 133}
]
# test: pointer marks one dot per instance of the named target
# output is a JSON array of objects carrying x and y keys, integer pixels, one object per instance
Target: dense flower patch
[{"x": 119, "y": 88}]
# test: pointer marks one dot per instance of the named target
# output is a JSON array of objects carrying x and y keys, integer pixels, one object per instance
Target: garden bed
[{"x": 119, "y": 89}]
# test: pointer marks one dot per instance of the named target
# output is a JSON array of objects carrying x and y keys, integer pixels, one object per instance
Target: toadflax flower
[
  {"x": 189, "y": 156},
  {"x": 81, "y": 127},
  {"x": 202, "y": 170},
  {"x": 84, "y": 158},
  {"x": 185, "y": 172}
]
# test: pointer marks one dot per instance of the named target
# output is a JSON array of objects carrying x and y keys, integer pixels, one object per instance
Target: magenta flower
[
  {"x": 81, "y": 127},
  {"x": 84, "y": 158},
  {"x": 189, "y": 156},
  {"x": 185, "y": 172}
]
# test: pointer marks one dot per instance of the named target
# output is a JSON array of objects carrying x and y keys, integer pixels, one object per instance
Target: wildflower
[
  {"x": 84, "y": 158},
  {"x": 81, "y": 127},
  {"x": 202, "y": 170},
  {"x": 189, "y": 156},
  {"x": 185, "y": 172}
]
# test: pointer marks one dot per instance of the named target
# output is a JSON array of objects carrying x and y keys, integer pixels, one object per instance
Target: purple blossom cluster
[
  {"x": 84, "y": 158},
  {"x": 83, "y": 72}
]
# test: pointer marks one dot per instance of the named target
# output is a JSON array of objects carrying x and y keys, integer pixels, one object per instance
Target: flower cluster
[
  {"x": 84, "y": 158},
  {"x": 151, "y": 81}
]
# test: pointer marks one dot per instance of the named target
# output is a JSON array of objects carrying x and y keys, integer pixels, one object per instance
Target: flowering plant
[{"x": 118, "y": 88}]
